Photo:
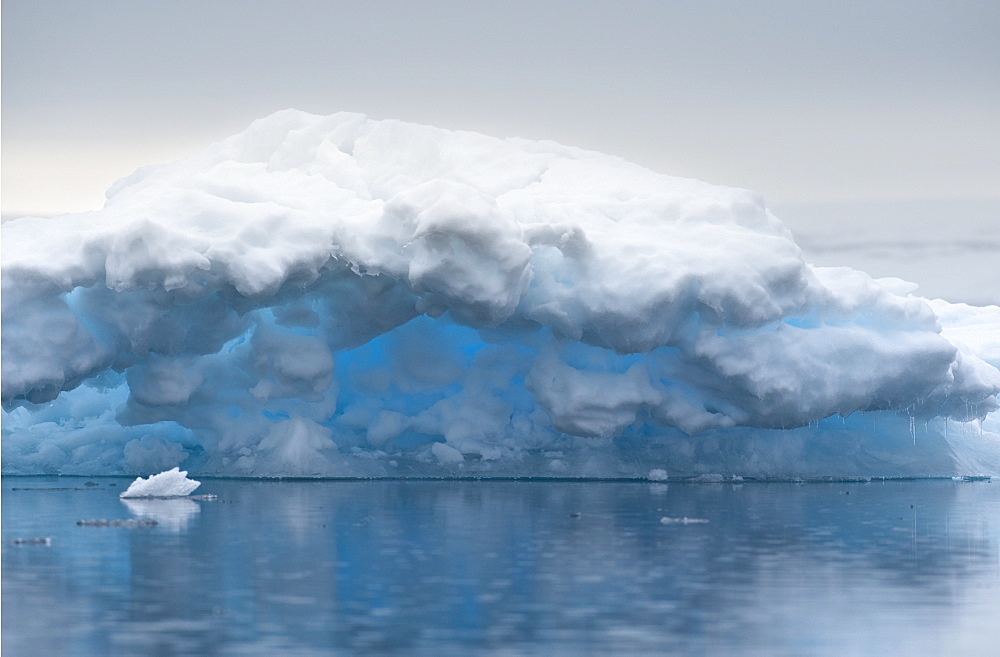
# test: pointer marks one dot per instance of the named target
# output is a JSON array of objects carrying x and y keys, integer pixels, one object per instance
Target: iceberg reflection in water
[{"x": 507, "y": 567}]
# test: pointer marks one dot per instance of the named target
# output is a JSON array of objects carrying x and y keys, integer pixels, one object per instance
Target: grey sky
[{"x": 812, "y": 103}]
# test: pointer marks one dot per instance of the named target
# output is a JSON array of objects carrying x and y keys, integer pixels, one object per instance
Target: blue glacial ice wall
[{"x": 338, "y": 296}]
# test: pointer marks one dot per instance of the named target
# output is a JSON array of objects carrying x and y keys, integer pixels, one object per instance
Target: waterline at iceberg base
[{"x": 343, "y": 297}]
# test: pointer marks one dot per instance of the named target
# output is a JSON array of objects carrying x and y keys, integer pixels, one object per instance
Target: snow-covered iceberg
[{"x": 338, "y": 296}]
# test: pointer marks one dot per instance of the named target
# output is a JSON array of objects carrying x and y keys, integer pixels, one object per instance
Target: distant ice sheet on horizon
[
  {"x": 337, "y": 296},
  {"x": 950, "y": 248}
]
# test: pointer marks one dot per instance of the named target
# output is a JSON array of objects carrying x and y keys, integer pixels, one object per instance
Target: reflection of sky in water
[
  {"x": 452, "y": 567},
  {"x": 173, "y": 514}
]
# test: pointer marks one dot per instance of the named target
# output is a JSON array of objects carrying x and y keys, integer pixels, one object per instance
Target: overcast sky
[{"x": 814, "y": 104}]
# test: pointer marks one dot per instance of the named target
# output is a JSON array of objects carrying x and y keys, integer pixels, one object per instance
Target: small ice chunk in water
[
  {"x": 683, "y": 521},
  {"x": 172, "y": 483},
  {"x": 657, "y": 475},
  {"x": 127, "y": 523}
]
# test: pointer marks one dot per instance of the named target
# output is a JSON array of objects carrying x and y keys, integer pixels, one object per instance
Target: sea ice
[{"x": 339, "y": 296}]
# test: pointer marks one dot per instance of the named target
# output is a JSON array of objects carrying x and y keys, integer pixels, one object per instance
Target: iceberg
[
  {"x": 170, "y": 483},
  {"x": 335, "y": 296}
]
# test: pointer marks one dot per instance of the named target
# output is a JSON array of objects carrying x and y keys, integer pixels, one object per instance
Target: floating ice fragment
[
  {"x": 657, "y": 475},
  {"x": 172, "y": 483},
  {"x": 127, "y": 523},
  {"x": 683, "y": 521}
]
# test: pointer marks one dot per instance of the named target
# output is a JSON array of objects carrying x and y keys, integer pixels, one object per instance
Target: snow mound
[
  {"x": 171, "y": 483},
  {"x": 337, "y": 296}
]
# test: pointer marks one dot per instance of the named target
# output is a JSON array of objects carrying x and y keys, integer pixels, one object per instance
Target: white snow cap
[
  {"x": 326, "y": 295},
  {"x": 172, "y": 483}
]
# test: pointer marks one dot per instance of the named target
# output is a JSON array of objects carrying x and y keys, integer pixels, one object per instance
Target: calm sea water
[{"x": 503, "y": 568}]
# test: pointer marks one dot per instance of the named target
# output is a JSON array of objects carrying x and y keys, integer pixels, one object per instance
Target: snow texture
[
  {"x": 171, "y": 483},
  {"x": 338, "y": 296}
]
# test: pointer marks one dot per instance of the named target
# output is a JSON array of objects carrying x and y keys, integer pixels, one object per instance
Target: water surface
[{"x": 505, "y": 568}]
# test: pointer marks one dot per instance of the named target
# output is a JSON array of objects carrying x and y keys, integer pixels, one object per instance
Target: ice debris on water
[
  {"x": 46, "y": 541},
  {"x": 171, "y": 483},
  {"x": 127, "y": 523},
  {"x": 683, "y": 521}
]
